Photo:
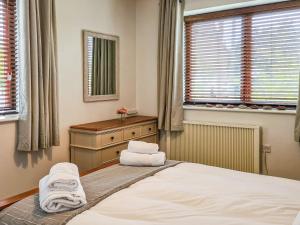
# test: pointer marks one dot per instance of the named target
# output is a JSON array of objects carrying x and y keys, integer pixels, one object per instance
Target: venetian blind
[
  {"x": 275, "y": 57},
  {"x": 251, "y": 58},
  {"x": 213, "y": 60},
  {"x": 8, "y": 57}
]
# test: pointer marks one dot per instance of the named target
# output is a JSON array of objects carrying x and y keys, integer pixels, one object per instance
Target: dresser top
[{"x": 115, "y": 123}]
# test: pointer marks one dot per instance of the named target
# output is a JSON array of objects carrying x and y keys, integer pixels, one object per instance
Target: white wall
[
  {"x": 147, "y": 16},
  {"x": 198, "y": 4},
  {"x": 284, "y": 160},
  {"x": 229, "y": 4},
  {"x": 21, "y": 171}
]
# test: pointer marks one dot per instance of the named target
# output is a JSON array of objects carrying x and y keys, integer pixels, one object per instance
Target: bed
[{"x": 193, "y": 194}]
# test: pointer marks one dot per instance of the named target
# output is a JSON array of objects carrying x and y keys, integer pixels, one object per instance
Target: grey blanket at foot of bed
[{"x": 97, "y": 186}]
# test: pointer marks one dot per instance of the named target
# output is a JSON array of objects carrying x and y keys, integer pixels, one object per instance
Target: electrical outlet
[{"x": 267, "y": 148}]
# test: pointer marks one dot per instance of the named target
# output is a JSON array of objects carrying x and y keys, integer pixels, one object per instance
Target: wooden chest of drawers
[{"x": 93, "y": 144}]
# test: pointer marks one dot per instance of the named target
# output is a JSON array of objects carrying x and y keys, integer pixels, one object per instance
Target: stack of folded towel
[
  {"x": 142, "y": 154},
  {"x": 61, "y": 189}
]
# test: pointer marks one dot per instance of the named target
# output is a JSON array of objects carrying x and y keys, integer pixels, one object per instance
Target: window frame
[
  {"x": 11, "y": 60},
  {"x": 247, "y": 13}
]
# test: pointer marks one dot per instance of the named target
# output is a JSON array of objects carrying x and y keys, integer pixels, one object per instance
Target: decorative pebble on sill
[
  {"x": 229, "y": 106},
  {"x": 242, "y": 107},
  {"x": 281, "y": 107},
  {"x": 254, "y": 107},
  {"x": 267, "y": 107}
]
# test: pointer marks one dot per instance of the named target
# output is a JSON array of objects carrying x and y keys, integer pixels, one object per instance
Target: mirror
[{"x": 101, "y": 67}]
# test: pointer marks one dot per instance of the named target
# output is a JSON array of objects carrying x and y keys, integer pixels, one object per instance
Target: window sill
[
  {"x": 9, "y": 118},
  {"x": 273, "y": 111}
]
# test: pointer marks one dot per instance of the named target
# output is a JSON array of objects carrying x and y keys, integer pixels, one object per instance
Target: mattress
[{"x": 196, "y": 194}]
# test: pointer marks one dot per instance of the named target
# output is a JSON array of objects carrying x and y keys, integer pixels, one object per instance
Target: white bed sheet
[{"x": 194, "y": 194}]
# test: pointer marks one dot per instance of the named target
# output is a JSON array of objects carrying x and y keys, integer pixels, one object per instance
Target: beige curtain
[
  {"x": 38, "y": 124},
  {"x": 103, "y": 67},
  {"x": 170, "y": 100}
]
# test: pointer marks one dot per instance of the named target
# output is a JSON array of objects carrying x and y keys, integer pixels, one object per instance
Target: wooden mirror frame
[{"x": 93, "y": 98}]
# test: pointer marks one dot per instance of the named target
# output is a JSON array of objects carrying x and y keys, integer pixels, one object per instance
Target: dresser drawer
[
  {"x": 112, "y": 138},
  {"x": 132, "y": 133},
  {"x": 112, "y": 153},
  {"x": 85, "y": 140},
  {"x": 149, "y": 129}
]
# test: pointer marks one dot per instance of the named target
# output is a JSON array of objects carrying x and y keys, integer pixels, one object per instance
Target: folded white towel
[
  {"x": 59, "y": 200},
  {"x": 63, "y": 176},
  {"x": 142, "y": 147},
  {"x": 136, "y": 159}
]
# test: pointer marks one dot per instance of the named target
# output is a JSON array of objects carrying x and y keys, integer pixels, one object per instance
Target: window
[
  {"x": 245, "y": 56},
  {"x": 8, "y": 59}
]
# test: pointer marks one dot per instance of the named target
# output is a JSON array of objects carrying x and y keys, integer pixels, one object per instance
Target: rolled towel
[
  {"x": 63, "y": 176},
  {"x": 142, "y": 147},
  {"x": 59, "y": 200},
  {"x": 135, "y": 159}
]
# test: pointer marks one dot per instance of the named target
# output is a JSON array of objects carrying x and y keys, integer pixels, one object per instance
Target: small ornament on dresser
[{"x": 122, "y": 112}]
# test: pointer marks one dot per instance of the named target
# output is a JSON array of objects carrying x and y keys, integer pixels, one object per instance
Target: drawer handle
[
  {"x": 149, "y": 128},
  {"x": 112, "y": 138},
  {"x": 118, "y": 152},
  {"x": 133, "y": 133}
]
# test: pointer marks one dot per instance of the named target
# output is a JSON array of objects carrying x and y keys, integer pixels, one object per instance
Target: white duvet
[{"x": 193, "y": 194}]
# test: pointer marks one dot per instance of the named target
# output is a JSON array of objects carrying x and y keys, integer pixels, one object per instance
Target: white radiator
[{"x": 229, "y": 146}]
